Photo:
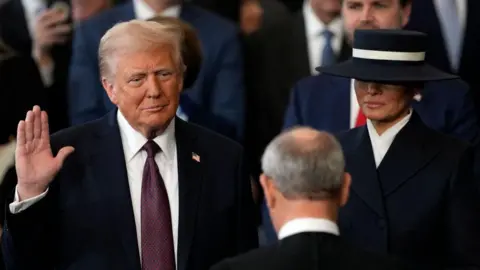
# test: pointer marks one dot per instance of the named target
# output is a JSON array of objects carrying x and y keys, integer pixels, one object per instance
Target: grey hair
[
  {"x": 137, "y": 36},
  {"x": 305, "y": 164}
]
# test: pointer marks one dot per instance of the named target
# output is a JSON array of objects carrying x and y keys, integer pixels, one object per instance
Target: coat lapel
[
  {"x": 361, "y": 166},
  {"x": 190, "y": 161},
  {"x": 410, "y": 151},
  {"x": 107, "y": 163}
]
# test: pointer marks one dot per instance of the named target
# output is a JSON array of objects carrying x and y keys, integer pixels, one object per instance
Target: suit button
[{"x": 381, "y": 224}]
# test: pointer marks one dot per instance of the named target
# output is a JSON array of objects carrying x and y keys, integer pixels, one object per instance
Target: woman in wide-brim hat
[{"x": 413, "y": 191}]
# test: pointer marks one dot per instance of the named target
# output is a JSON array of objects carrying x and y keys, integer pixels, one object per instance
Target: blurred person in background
[
  {"x": 215, "y": 101},
  {"x": 328, "y": 103},
  {"x": 453, "y": 33},
  {"x": 84, "y": 9},
  {"x": 17, "y": 94},
  {"x": 305, "y": 185},
  {"x": 281, "y": 54},
  {"x": 42, "y": 30}
]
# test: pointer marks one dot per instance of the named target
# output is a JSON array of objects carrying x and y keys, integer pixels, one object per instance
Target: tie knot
[
  {"x": 152, "y": 148},
  {"x": 327, "y": 34}
]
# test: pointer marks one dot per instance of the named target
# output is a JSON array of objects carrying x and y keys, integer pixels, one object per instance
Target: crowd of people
[{"x": 242, "y": 134}]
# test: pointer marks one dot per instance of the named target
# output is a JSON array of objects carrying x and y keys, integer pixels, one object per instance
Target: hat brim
[{"x": 386, "y": 72}]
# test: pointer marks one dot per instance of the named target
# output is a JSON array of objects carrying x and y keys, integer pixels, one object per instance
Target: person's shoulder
[
  {"x": 254, "y": 259},
  {"x": 101, "y": 22},
  {"x": 199, "y": 16},
  {"x": 320, "y": 83},
  {"x": 75, "y": 135},
  {"x": 210, "y": 139},
  {"x": 451, "y": 88},
  {"x": 364, "y": 259}
]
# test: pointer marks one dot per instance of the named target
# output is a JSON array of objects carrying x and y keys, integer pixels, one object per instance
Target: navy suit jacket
[
  {"x": 323, "y": 102},
  {"x": 216, "y": 100},
  {"x": 424, "y": 18},
  {"x": 420, "y": 204},
  {"x": 86, "y": 219}
]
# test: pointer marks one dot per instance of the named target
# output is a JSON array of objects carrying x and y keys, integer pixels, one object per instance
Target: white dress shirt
[
  {"x": 381, "y": 143},
  {"x": 315, "y": 41},
  {"x": 135, "y": 159},
  {"x": 301, "y": 225},
  {"x": 145, "y": 12},
  {"x": 32, "y": 9}
]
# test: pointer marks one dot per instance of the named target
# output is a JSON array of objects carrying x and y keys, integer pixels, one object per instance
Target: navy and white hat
[{"x": 388, "y": 56}]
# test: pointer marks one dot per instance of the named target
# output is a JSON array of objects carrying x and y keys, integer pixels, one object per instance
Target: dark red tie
[
  {"x": 361, "y": 119},
  {"x": 157, "y": 238}
]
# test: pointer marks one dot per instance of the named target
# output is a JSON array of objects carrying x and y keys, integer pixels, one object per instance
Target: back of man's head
[{"x": 303, "y": 174}]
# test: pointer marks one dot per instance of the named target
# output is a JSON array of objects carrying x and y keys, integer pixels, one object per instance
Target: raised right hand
[{"x": 35, "y": 164}]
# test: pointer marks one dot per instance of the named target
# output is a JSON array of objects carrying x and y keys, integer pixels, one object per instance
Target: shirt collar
[
  {"x": 314, "y": 26},
  {"x": 301, "y": 225},
  {"x": 145, "y": 12},
  {"x": 33, "y": 7},
  {"x": 389, "y": 134},
  {"x": 133, "y": 141}
]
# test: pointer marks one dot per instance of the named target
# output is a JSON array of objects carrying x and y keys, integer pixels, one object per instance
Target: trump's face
[
  {"x": 146, "y": 88},
  {"x": 373, "y": 14}
]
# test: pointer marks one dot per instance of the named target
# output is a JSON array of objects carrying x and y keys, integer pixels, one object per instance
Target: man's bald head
[{"x": 305, "y": 163}]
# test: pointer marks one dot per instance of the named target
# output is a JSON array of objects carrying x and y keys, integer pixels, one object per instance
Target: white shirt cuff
[{"x": 18, "y": 206}]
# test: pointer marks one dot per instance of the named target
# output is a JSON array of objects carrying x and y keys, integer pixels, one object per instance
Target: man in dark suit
[
  {"x": 41, "y": 31},
  {"x": 453, "y": 37},
  {"x": 216, "y": 99},
  {"x": 141, "y": 189},
  {"x": 305, "y": 184},
  {"x": 414, "y": 194},
  {"x": 280, "y": 55}
]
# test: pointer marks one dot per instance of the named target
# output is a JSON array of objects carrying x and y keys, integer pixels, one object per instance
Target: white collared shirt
[
  {"x": 301, "y": 225},
  {"x": 135, "y": 158},
  {"x": 381, "y": 143},
  {"x": 166, "y": 160},
  {"x": 32, "y": 9},
  {"x": 144, "y": 12},
  {"x": 315, "y": 41}
]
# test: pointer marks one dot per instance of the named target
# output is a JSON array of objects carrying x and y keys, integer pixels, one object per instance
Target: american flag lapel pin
[{"x": 195, "y": 157}]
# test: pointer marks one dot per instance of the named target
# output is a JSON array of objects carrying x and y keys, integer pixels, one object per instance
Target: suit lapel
[
  {"x": 361, "y": 165},
  {"x": 410, "y": 151},
  {"x": 108, "y": 167},
  {"x": 190, "y": 183}
]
